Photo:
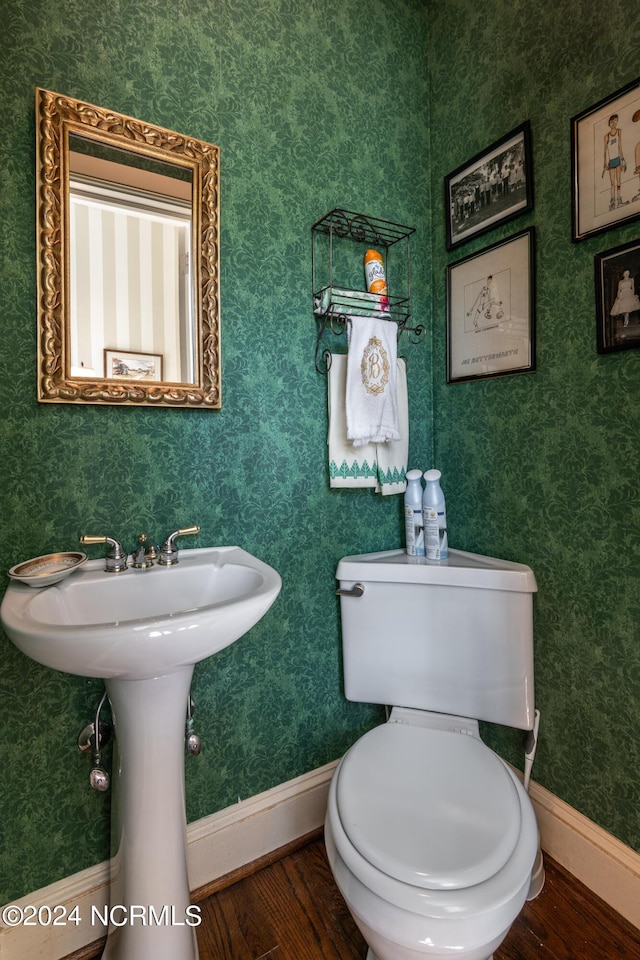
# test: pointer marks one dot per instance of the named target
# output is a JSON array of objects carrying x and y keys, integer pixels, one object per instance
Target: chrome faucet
[
  {"x": 169, "y": 551},
  {"x": 144, "y": 556},
  {"x": 116, "y": 559}
]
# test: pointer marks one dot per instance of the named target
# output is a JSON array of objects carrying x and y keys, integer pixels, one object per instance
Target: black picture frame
[
  {"x": 491, "y": 311},
  {"x": 600, "y": 202},
  {"x": 617, "y": 284},
  {"x": 492, "y": 188}
]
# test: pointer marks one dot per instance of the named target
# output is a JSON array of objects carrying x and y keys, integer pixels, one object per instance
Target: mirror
[{"x": 128, "y": 260}]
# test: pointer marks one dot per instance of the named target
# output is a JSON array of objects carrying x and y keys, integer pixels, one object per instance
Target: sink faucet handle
[
  {"x": 116, "y": 559},
  {"x": 169, "y": 551}
]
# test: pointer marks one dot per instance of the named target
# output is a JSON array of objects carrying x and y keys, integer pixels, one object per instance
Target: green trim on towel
[
  {"x": 394, "y": 475},
  {"x": 356, "y": 471}
]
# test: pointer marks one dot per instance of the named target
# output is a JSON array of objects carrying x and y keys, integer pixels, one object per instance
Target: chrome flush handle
[{"x": 356, "y": 590}]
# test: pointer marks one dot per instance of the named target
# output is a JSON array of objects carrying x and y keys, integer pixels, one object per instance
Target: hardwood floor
[{"x": 291, "y": 910}]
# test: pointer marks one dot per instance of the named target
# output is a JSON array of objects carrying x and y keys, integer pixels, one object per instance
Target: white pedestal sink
[{"x": 142, "y": 631}]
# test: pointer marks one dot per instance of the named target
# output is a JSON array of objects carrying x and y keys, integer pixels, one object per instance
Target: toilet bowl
[{"x": 431, "y": 839}]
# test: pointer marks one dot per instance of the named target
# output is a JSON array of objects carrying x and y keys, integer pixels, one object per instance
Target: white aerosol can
[
  {"x": 413, "y": 514},
  {"x": 434, "y": 517}
]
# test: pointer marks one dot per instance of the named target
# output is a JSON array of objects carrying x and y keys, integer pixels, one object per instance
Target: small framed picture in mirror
[{"x": 125, "y": 365}]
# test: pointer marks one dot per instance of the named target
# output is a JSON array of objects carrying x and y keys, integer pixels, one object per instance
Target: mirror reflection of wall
[
  {"x": 131, "y": 276},
  {"x": 128, "y": 260}
]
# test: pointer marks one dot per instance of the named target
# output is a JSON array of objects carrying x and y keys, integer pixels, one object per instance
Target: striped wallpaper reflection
[{"x": 129, "y": 280}]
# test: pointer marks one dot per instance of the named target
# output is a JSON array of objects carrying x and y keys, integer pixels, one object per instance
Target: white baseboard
[
  {"x": 216, "y": 845},
  {"x": 224, "y": 841},
  {"x": 238, "y": 835},
  {"x": 608, "y": 867}
]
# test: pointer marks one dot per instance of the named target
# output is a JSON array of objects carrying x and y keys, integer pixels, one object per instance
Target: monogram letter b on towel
[
  {"x": 375, "y": 367},
  {"x": 371, "y": 393}
]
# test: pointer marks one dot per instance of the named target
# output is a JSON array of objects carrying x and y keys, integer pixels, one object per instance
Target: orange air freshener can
[{"x": 374, "y": 272}]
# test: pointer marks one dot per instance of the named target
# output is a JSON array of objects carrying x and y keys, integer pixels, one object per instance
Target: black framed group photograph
[
  {"x": 491, "y": 311},
  {"x": 617, "y": 276},
  {"x": 605, "y": 163},
  {"x": 490, "y": 189}
]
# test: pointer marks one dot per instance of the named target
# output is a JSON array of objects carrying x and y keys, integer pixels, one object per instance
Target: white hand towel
[
  {"x": 348, "y": 466},
  {"x": 382, "y": 465},
  {"x": 393, "y": 456},
  {"x": 371, "y": 392}
]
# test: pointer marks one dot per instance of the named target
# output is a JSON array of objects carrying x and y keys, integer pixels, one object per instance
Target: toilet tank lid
[{"x": 461, "y": 569}]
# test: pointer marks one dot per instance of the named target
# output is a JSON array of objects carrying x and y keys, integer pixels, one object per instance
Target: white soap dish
[{"x": 43, "y": 571}]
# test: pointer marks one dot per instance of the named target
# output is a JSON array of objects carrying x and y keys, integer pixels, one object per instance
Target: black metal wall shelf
[{"x": 334, "y": 300}]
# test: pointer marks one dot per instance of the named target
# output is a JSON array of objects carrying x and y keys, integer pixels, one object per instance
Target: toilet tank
[{"x": 452, "y": 637}]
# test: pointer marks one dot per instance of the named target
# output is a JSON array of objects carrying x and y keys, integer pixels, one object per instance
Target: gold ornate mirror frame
[{"x": 57, "y": 117}]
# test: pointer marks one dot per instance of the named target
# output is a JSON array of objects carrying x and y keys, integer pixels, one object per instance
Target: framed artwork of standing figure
[
  {"x": 605, "y": 163},
  {"x": 618, "y": 297}
]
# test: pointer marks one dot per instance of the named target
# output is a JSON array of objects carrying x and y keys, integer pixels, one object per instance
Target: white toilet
[{"x": 431, "y": 837}]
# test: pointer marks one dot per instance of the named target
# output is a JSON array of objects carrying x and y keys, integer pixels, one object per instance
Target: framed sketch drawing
[
  {"x": 491, "y": 311},
  {"x": 618, "y": 297},
  {"x": 605, "y": 163},
  {"x": 493, "y": 187},
  {"x": 125, "y": 365}
]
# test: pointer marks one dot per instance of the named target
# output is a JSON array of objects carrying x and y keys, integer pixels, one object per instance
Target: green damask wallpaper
[
  {"x": 314, "y": 105},
  {"x": 543, "y": 468}
]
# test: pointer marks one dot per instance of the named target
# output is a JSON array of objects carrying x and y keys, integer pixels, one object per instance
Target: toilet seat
[
  {"x": 409, "y": 919},
  {"x": 431, "y": 808}
]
